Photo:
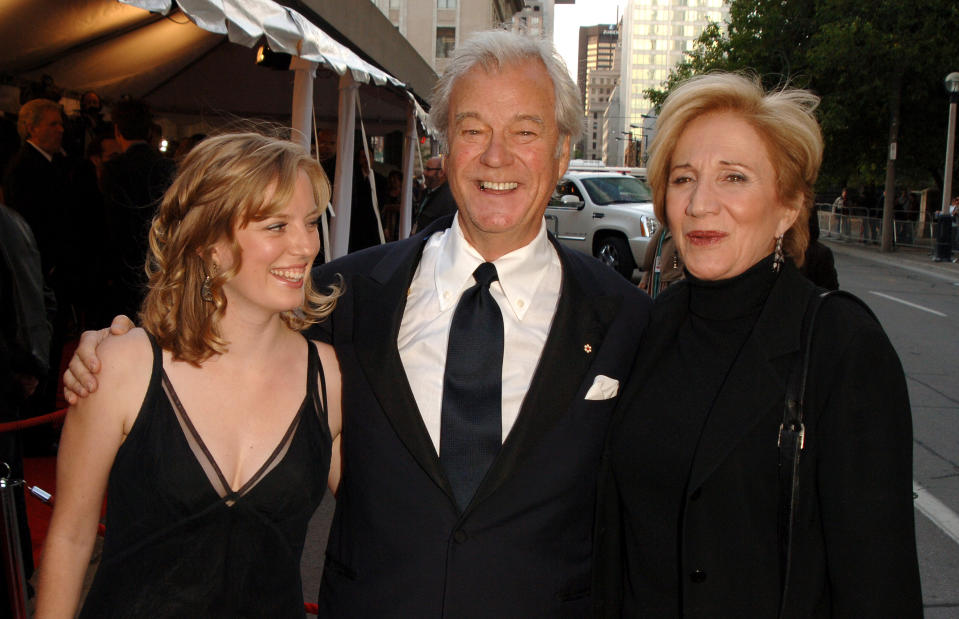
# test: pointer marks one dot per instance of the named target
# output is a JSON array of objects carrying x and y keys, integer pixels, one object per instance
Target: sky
[{"x": 567, "y": 18}]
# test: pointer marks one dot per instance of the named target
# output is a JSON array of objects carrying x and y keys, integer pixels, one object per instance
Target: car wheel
[{"x": 613, "y": 251}]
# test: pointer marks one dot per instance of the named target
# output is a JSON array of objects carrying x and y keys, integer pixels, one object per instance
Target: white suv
[{"x": 603, "y": 214}]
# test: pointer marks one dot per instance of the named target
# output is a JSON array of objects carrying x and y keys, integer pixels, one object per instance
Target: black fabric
[
  {"x": 399, "y": 546},
  {"x": 175, "y": 548},
  {"x": 133, "y": 183},
  {"x": 721, "y": 316},
  {"x": 38, "y": 190},
  {"x": 471, "y": 425},
  {"x": 437, "y": 204},
  {"x": 688, "y": 509}
]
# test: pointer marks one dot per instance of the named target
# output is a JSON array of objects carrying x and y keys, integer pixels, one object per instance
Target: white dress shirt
[{"x": 527, "y": 293}]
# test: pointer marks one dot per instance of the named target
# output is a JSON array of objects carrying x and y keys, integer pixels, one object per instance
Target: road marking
[
  {"x": 934, "y": 509},
  {"x": 892, "y": 298}
]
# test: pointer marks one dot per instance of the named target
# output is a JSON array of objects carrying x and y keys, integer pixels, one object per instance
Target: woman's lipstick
[{"x": 704, "y": 238}]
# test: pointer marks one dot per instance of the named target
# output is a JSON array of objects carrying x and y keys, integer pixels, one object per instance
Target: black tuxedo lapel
[
  {"x": 378, "y": 309},
  {"x": 756, "y": 385},
  {"x": 582, "y": 318}
]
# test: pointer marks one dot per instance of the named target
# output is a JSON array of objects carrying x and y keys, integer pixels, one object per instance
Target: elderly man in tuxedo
[
  {"x": 480, "y": 364},
  {"x": 480, "y": 361}
]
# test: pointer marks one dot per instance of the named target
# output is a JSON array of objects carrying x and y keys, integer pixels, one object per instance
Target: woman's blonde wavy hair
[
  {"x": 223, "y": 184},
  {"x": 785, "y": 121}
]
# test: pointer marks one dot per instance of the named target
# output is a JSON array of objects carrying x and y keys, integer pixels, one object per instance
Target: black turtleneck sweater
[{"x": 681, "y": 388}]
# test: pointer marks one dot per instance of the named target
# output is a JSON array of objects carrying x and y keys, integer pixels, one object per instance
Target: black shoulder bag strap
[{"x": 792, "y": 436}]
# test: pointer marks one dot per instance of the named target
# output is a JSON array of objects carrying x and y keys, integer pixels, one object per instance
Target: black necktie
[{"x": 471, "y": 419}]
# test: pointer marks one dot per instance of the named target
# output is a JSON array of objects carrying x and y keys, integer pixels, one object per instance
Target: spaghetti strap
[
  {"x": 314, "y": 368},
  {"x": 157, "y": 359}
]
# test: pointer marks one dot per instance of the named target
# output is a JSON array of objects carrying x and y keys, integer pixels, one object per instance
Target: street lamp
[
  {"x": 952, "y": 87},
  {"x": 637, "y": 146},
  {"x": 628, "y": 157},
  {"x": 944, "y": 233}
]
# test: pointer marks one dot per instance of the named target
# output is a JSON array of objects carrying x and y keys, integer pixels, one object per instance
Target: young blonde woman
[{"x": 212, "y": 430}]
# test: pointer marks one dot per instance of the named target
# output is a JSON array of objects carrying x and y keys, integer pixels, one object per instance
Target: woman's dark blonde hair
[
  {"x": 223, "y": 184},
  {"x": 785, "y": 122}
]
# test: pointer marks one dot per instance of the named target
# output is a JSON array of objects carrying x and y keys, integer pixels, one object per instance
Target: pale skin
[
  {"x": 263, "y": 370},
  {"x": 722, "y": 200},
  {"x": 504, "y": 162}
]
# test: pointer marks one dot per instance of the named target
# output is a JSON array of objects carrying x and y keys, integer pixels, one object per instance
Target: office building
[{"x": 654, "y": 35}]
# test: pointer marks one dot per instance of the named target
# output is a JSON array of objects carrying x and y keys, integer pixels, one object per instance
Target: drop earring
[
  {"x": 206, "y": 290},
  {"x": 778, "y": 259}
]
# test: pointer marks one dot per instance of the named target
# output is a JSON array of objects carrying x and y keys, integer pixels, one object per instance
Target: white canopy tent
[{"x": 193, "y": 60}]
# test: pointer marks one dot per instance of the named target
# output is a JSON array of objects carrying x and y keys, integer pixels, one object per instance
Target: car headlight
[{"x": 648, "y": 225}]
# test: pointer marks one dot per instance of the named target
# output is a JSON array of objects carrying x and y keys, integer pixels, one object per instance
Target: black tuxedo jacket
[
  {"x": 437, "y": 204},
  {"x": 398, "y": 545},
  {"x": 37, "y": 189},
  {"x": 133, "y": 183}
]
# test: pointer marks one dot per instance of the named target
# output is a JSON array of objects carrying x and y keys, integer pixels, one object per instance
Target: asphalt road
[{"x": 918, "y": 305}]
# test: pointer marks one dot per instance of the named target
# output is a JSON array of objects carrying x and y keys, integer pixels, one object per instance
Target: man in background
[
  {"x": 132, "y": 183},
  {"x": 438, "y": 201}
]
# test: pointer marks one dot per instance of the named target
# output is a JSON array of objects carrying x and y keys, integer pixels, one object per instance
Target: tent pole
[
  {"x": 343, "y": 177},
  {"x": 303, "y": 72},
  {"x": 406, "y": 203}
]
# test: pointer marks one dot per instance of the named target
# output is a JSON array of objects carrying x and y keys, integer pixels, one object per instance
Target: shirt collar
[
  {"x": 520, "y": 272},
  {"x": 46, "y": 155}
]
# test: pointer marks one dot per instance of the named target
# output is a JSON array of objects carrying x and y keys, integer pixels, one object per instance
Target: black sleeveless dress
[{"x": 180, "y": 543}]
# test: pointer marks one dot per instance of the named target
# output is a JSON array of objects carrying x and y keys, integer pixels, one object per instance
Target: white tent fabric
[
  {"x": 246, "y": 21},
  {"x": 178, "y": 56}
]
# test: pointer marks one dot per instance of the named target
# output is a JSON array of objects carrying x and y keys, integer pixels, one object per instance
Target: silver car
[{"x": 603, "y": 214}]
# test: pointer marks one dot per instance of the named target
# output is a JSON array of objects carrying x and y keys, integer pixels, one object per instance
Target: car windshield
[{"x": 616, "y": 190}]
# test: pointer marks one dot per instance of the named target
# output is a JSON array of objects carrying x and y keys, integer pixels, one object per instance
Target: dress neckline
[{"x": 204, "y": 457}]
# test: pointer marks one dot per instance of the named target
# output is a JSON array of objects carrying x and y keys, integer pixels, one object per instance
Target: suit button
[
  {"x": 698, "y": 576},
  {"x": 460, "y": 536},
  {"x": 696, "y": 494}
]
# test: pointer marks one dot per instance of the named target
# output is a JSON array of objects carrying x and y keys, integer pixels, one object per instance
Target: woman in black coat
[{"x": 691, "y": 511}]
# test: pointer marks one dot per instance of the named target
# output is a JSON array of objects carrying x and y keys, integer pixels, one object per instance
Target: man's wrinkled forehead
[{"x": 492, "y": 70}]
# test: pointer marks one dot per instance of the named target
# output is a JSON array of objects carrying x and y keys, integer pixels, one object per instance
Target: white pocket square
[{"x": 603, "y": 388}]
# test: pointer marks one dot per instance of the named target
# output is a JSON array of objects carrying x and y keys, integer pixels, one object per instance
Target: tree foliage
[{"x": 853, "y": 54}]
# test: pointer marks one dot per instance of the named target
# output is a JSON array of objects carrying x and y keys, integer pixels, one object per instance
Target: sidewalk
[{"x": 912, "y": 259}]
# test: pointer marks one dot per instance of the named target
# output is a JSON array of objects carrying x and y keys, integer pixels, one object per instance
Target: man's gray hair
[
  {"x": 31, "y": 112},
  {"x": 493, "y": 49}
]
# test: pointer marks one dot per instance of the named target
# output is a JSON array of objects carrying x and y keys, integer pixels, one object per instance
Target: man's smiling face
[{"x": 503, "y": 163}]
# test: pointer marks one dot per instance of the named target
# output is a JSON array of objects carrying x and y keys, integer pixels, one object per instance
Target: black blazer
[
  {"x": 398, "y": 546},
  {"x": 37, "y": 189},
  {"x": 437, "y": 204},
  {"x": 133, "y": 184},
  {"x": 855, "y": 553}
]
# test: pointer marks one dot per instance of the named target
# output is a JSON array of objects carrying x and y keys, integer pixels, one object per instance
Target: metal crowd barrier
[
  {"x": 856, "y": 225},
  {"x": 14, "y": 577}
]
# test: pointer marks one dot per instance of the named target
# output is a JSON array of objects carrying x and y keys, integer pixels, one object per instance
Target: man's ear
[{"x": 562, "y": 163}]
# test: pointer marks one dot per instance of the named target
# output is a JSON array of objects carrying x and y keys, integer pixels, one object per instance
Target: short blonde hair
[
  {"x": 783, "y": 118},
  {"x": 223, "y": 184}
]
